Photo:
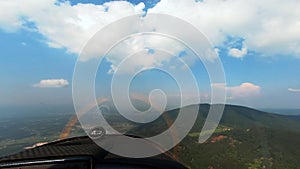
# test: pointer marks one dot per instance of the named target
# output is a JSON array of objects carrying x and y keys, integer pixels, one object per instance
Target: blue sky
[{"x": 261, "y": 65}]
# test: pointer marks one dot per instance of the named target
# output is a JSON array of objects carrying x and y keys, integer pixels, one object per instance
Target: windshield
[{"x": 213, "y": 82}]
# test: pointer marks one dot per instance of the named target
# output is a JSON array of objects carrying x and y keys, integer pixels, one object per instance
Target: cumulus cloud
[
  {"x": 244, "y": 90},
  {"x": 52, "y": 83},
  {"x": 293, "y": 90},
  {"x": 63, "y": 25},
  {"x": 238, "y": 53},
  {"x": 70, "y": 27},
  {"x": 269, "y": 27},
  {"x": 144, "y": 52}
]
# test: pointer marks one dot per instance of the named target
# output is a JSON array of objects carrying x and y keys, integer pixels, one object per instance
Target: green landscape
[{"x": 245, "y": 138}]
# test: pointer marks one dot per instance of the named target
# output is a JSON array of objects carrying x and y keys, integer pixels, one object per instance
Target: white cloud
[
  {"x": 293, "y": 90},
  {"x": 245, "y": 90},
  {"x": 52, "y": 83},
  {"x": 269, "y": 27},
  {"x": 70, "y": 27},
  {"x": 238, "y": 53},
  {"x": 63, "y": 25},
  {"x": 144, "y": 52}
]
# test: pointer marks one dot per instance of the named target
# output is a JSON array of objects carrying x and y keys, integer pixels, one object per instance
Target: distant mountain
[
  {"x": 295, "y": 112},
  {"x": 243, "y": 117},
  {"x": 234, "y": 117}
]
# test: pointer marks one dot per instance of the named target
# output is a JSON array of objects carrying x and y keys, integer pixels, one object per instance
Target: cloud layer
[
  {"x": 52, "y": 83},
  {"x": 269, "y": 27},
  {"x": 63, "y": 25}
]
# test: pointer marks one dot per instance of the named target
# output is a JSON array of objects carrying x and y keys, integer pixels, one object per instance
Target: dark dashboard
[{"x": 81, "y": 153}]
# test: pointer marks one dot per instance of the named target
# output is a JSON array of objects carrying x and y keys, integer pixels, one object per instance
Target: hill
[
  {"x": 237, "y": 117},
  {"x": 246, "y": 138}
]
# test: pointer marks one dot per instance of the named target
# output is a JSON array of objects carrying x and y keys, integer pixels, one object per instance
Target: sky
[{"x": 257, "y": 42}]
